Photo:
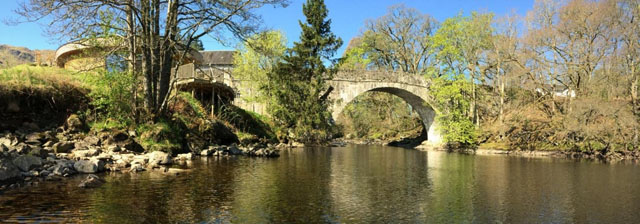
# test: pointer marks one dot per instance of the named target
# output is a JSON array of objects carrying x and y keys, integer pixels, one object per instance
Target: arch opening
[{"x": 417, "y": 103}]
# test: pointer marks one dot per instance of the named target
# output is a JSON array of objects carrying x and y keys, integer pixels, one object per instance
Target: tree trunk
[
  {"x": 131, "y": 36},
  {"x": 168, "y": 51},
  {"x": 147, "y": 55}
]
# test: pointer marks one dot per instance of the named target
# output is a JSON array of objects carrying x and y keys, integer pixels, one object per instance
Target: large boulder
[
  {"x": 7, "y": 169},
  {"x": 27, "y": 162},
  {"x": 85, "y": 166},
  {"x": 63, "y": 147},
  {"x": 159, "y": 158}
]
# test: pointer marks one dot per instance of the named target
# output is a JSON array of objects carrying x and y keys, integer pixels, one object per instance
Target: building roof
[{"x": 217, "y": 57}]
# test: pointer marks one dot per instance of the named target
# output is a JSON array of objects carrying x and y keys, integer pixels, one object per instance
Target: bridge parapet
[{"x": 380, "y": 76}]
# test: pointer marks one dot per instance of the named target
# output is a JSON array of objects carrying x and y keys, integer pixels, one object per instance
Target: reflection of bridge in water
[{"x": 345, "y": 86}]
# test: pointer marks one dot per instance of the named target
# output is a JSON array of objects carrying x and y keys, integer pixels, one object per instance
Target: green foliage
[
  {"x": 26, "y": 76},
  {"x": 452, "y": 99},
  {"x": 297, "y": 83},
  {"x": 461, "y": 41},
  {"x": 163, "y": 135},
  {"x": 111, "y": 98},
  {"x": 257, "y": 57},
  {"x": 355, "y": 57},
  {"x": 374, "y": 115}
]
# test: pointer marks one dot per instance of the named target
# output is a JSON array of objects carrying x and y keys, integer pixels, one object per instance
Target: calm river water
[{"x": 354, "y": 184}]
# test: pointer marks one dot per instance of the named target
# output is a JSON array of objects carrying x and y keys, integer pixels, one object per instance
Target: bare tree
[
  {"x": 400, "y": 40},
  {"x": 140, "y": 22}
]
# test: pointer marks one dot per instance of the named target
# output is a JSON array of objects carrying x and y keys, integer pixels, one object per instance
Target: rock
[
  {"x": 92, "y": 140},
  {"x": 27, "y": 162},
  {"x": 233, "y": 150},
  {"x": 131, "y": 146},
  {"x": 136, "y": 168},
  {"x": 139, "y": 159},
  {"x": 85, "y": 153},
  {"x": 121, "y": 163},
  {"x": 34, "y": 138},
  {"x": 85, "y": 166},
  {"x": 159, "y": 158},
  {"x": 45, "y": 173},
  {"x": 92, "y": 181},
  {"x": 22, "y": 148},
  {"x": 185, "y": 156},
  {"x": 81, "y": 145},
  {"x": 32, "y": 173},
  {"x": 73, "y": 124},
  {"x": 113, "y": 148},
  {"x": 175, "y": 171},
  {"x": 38, "y": 151},
  {"x": 8, "y": 141},
  {"x": 7, "y": 169},
  {"x": 63, "y": 147},
  {"x": 206, "y": 152},
  {"x": 48, "y": 144},
  {"x": 99, "y": 163}
]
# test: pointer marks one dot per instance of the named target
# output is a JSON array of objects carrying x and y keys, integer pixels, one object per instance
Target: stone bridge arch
[{"x": 414, "y": 90}]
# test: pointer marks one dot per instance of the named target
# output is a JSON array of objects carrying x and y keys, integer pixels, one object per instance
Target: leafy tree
[
  {"x": 462, "y": 43},
  {"x": 451, "y": 95},
  {"x": 297, "y": 84},
  {"x": 258, "y": 56}
]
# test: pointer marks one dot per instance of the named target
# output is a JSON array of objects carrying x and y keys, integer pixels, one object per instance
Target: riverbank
[
  {"x": 29, "y": 156},
  {"x": 56, "y": 123},
  {"x": 488, "y": 149}
]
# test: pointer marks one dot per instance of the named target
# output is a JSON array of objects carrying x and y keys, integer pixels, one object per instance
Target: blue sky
[{"x": 348, "y": 17}]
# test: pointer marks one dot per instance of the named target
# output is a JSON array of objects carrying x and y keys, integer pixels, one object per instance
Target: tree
[
  {"x": 257, "y": 56},
  {"x": 401, "y": 40},
  {"x": 160, "y": 31},
  {"x": 297, "y": 84},
  {"x": 451, "y": 95},
  {"x": 462, "y": 43}
]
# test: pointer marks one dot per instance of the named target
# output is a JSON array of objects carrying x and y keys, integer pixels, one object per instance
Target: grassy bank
[{"x": 106, "y": 102}]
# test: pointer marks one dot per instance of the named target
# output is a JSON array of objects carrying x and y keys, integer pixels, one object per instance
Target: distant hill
[{"x": 12, "y": 56}]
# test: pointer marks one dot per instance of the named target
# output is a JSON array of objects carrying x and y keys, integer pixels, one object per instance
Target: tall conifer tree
[{"x": 298, "y": 82}]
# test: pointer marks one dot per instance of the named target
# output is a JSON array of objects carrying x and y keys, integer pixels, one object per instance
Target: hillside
[{"x": 12, "y": 56}]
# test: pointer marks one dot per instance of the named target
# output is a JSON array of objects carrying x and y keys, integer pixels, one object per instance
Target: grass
[
  {"x": 107, "y": 124},
  {"x": 162, "y": 136},
  {"x": 39, "y": 77}
]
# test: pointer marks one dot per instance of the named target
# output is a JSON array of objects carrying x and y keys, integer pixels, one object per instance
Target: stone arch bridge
[{"x": 346, "y": 85}]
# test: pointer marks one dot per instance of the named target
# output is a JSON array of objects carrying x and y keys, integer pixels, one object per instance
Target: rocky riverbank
[
  {"x": 29, "y": 156},
  {"x": 609, "y": 156}
]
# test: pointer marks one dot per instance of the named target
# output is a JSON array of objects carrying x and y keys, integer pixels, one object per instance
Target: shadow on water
[
  {"x": 410, "y": 142},
  {"x": 353, "y": 184}
]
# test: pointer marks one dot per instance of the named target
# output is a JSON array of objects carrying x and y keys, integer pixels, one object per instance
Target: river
[{"x": 353, "y": 184}]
